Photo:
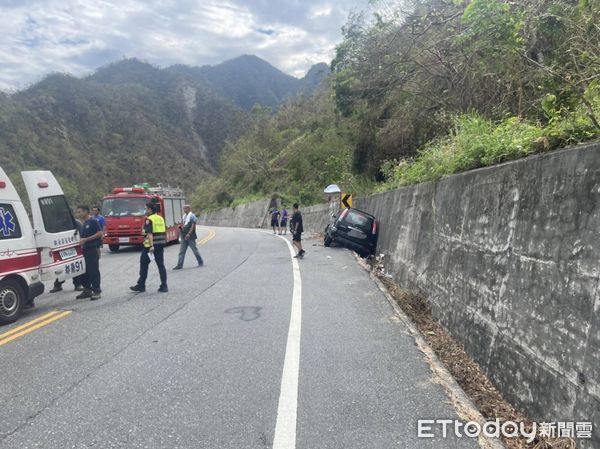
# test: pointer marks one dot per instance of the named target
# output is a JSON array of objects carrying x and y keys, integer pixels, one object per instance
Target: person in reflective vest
[{"x": 154, "y": 245}]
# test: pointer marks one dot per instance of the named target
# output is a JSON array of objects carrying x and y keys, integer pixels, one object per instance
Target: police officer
[{"x": 154, "y": 245}]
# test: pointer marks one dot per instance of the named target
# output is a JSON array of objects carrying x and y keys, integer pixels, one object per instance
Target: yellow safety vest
[{"x": 159, "y": 230}]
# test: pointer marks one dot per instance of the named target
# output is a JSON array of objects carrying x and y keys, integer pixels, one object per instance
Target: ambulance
[{"x": 40, "y": 246}]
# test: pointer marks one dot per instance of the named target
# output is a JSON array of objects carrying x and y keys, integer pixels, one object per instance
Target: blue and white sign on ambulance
[{"x": 29, "y": 254}]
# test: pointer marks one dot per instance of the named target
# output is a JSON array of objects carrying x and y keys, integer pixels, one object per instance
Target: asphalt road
[{"x": 253, "y": 350}]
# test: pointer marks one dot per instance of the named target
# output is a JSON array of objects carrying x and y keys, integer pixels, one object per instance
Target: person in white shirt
[{"x": 188, "y": 238}]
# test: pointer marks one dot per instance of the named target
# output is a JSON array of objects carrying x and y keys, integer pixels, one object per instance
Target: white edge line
[{"x": 285, "y": 427}]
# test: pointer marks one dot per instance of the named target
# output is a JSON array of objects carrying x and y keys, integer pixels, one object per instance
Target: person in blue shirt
[
  {"x": 102, "y": 221},
  {"x": 284, "y": 219},
  {"x": 91, "y": 239},
  {"x": 274, "y": 219},
  {"x": 100, "y": 218}
]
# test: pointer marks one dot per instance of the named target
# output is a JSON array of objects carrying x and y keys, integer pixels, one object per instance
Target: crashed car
[{"x": 353, "y": 229}]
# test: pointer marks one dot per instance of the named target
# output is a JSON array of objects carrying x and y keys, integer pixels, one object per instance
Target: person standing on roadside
[
  {"x": 274, "y": 219},
  {"x": 297, "y": 230},
  {"x": 154, "y": 245},
  {"x": 91, "y": 238},
  {"x": 188, "y": 238},
  {"x": 96, "y": 214},
  {"x": 102, "y": 221},
  {"x": 283, "y": 222}
]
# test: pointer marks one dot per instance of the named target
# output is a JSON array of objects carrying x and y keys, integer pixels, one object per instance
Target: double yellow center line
[
  {"x": 32, "y": 325},
  {"x": 210, "y": 235},
  {"x": 50, "y": 317}
]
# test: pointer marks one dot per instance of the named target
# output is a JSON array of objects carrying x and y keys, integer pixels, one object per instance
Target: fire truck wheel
[
  {"x": 113, "y": 248},
  {"x": 12, "y": 300}
]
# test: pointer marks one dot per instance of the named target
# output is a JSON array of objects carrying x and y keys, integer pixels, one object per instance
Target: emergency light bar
[
  {"x": 129, "y": 190},
  {"x": 145, "y": 188}
]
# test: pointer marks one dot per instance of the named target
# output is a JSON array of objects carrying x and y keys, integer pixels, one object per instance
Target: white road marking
[{"x": 285, "y": 428}]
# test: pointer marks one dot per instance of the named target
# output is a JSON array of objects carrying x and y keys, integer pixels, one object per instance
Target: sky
[{"x": 78, "y": 36}]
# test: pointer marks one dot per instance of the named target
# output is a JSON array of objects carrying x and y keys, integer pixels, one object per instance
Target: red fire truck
[{"x": 125, "y": 211}]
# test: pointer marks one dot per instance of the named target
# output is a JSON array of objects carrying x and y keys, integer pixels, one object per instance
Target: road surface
[{"x": 253, "y": 350}]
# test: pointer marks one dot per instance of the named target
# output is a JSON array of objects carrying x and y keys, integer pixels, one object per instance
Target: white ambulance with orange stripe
[{"x": 46, "y": 251}]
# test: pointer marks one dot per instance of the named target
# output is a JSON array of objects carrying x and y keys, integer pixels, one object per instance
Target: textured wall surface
[
  {"x": 250, "y": 215},
  {"x": 256, "y": 215},
  {"x": 510, "y": 258}
]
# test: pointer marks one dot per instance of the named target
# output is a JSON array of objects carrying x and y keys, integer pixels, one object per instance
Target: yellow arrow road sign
[{"x": 346, "y": 200}]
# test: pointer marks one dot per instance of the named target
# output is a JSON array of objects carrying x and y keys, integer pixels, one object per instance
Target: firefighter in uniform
[{"x": 154, "y": 245}]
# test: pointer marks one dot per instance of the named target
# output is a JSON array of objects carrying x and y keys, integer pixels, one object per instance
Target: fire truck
[
  {"x": 46, "y": 251},
  {"x": 125, "y": 213}
]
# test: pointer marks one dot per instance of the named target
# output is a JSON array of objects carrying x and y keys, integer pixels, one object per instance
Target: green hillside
[
  {"x": 132, "y": 122},
  {"x": 425, "y": 89}
]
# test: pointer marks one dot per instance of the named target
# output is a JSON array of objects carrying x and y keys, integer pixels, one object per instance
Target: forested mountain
[
  {"x": 423, "y": 89},
  {"x": 245, "y": 81},
  {"x": 132, "y": 122},
  {"x": 261, "y": 83},
  {"x": 314, "y": 78}
]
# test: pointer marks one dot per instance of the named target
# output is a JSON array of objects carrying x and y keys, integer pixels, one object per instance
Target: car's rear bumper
[{"x": 360, "y": 247}]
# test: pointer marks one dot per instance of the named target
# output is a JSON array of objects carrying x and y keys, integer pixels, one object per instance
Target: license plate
[
  {"x": 123, "y": 239},
  {"x": 68, "y": 253},
  {"x": 74, "y": 268}
]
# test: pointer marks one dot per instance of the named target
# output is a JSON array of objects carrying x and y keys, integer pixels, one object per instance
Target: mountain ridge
[{"x": 131, "y": 121}]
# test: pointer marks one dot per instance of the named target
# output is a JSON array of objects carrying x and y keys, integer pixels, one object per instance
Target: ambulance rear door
[
  {"x": 55, "y": 229},
  {"x": 18, "y": 250}
]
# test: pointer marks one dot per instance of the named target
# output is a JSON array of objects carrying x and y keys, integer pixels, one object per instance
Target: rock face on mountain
[
  {"x": 248, "y": 80},
  {"x": 132, "y": 122}
]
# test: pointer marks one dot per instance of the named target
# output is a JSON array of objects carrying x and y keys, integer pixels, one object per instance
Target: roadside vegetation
[
  {"x": 422, "y": 89},
  {"x": 294, "y": 153}
]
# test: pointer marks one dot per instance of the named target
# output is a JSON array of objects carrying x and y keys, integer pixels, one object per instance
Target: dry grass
[{"x": 466, "y": 371}]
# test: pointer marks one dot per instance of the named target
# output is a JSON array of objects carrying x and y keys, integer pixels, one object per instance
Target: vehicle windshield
[
  {"x": 56, "y": 214},
  {"x": 356, "y": 219},
  {"x": 121, "y": 207}
]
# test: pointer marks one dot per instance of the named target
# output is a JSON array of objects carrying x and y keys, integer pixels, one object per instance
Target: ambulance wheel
[
  {"x": 12, "y": 300},
  {"x": 113, "y": 248}
]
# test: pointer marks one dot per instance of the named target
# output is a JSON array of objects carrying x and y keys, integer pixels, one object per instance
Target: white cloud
[
  {"x": 78, "y": 36},
  {"x": 321, "y": 11}
]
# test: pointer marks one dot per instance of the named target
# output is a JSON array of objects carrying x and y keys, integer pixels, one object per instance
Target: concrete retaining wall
[
  {"x": 256, "y": 215},
  {"x": 250, "y": 215},
  {"x": 510, "y": 258},
  {"x": 316, "y": 218}
]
